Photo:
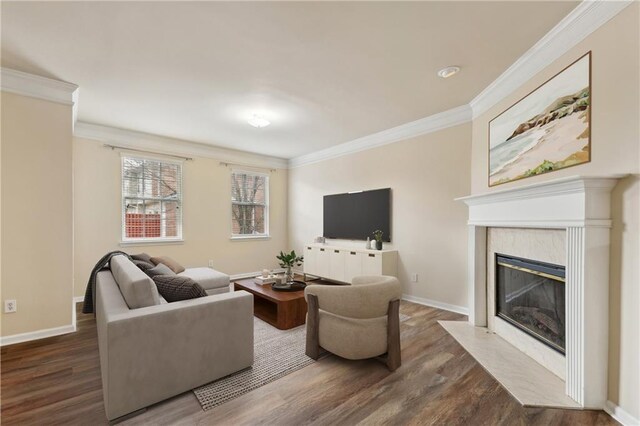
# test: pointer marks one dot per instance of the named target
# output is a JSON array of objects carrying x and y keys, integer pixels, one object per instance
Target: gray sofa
[{"x": 151, "y": 353}]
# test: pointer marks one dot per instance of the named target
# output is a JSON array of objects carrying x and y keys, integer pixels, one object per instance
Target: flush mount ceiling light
[
  {"x": 448, "y": 71},
  {"x": 258, "y": 121}
]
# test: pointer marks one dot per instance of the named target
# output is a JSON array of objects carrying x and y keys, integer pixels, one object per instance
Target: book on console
[{"x": 263, "y": 281}]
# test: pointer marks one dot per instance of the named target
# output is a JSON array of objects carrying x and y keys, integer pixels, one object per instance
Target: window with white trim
[
  {"x": 151, "y": 199},
  {"x": 249, "y": 204}
]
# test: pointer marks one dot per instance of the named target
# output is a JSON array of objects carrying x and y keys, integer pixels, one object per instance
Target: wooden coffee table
[{"x": 281, "y": 309}]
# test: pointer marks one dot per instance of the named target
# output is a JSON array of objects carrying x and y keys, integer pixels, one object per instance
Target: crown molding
[
  {"x": 586, "y": 18},
  {"x": 35, "y": 86},
  {"x": 430, "y": 124},
  {"x": 171, "y": 146}
]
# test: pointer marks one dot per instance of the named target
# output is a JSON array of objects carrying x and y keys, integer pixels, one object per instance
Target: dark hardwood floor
[{"x": 57, "y": 381}]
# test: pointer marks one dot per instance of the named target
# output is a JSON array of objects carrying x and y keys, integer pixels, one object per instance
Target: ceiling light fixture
[
  {"x": 258, "y": 121},
  {"x": 448, "y": 71}
]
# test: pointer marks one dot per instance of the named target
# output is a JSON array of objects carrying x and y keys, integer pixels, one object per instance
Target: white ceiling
[{"x": 323, "y": 73}]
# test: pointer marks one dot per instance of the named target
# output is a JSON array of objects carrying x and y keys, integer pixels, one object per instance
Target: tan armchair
[{"x": 355, "y": 321}]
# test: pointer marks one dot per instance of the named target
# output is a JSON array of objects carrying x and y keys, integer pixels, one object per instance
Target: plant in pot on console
[
  {"x": 377, "y": 234},
  {"x": 288, "y": 261}
]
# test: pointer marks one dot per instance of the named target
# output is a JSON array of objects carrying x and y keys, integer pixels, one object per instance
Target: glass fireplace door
[{"x": 531, "y": 296}]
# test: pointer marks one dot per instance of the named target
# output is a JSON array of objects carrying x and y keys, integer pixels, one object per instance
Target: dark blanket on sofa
[{"x": 89, "y": 304}]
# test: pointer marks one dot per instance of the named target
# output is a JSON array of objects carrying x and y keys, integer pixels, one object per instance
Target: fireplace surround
[{"x": 580, "y": 206}]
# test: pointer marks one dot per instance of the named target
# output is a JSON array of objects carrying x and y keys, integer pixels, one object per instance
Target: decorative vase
[
  {"x": 289, "y": 274},
  {"x": 378, "y": 245}
]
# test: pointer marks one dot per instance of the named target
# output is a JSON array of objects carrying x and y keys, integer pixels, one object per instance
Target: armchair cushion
[
  {"x": 353, "y": 338},
  {"x": 369, "y": 298}
]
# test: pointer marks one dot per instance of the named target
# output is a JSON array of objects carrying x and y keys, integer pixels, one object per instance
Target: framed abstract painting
[{"x": 547, "y": 130}]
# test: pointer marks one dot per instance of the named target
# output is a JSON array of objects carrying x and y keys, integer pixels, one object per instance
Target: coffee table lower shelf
[
  {"x": 265, "y": 310},
  {"x": 283, "y": 310}
]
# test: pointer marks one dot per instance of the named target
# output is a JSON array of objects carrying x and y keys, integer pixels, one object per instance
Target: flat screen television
[{"x": 355, "y": 215}]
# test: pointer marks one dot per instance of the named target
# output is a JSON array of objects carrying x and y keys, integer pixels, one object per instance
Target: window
[
  {"x": 151, "y": 199},
  {"x": 249, "y": 204}
]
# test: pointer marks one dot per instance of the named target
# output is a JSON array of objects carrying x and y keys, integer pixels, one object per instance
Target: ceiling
[{"x": 323, "y": 73}]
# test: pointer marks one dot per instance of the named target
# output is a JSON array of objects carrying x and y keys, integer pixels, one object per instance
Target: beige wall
[
  {"x": 615, "y": 148},
  {"x": 428, "y": 228},
  {"x": 206, "y": 221},
  {"x": 37, "y": 214}
]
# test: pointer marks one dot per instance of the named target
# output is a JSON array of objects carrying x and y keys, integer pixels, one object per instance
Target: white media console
[{"x": 343, "y": 263}]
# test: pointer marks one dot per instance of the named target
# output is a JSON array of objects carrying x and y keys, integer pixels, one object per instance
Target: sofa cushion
[
  {"x": 142, "y": 256},
  {"x": 175, "y": 266},
  {"x": 159, "y": 269},
  {"x": 176, "y": 287},
  {"x": 144, "y": 266},
  {"x": 208, "y": 278},
  {"x": 138, "y": 290},
  {"x": 221, "y": 290}
]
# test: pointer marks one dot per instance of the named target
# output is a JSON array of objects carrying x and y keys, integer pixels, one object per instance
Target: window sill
[
  {"x": 154, "y": 242},
  {"x": 249, "y": 237}
]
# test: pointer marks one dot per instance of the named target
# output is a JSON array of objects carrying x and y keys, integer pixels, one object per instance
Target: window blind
[
  {"x": 249, "y": 203},
  {"x": 151, "y": 199}
]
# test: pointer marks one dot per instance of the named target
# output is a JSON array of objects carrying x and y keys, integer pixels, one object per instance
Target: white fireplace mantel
[
  {"x": 582, "y": 206},
  {"x": 559, "y": 203}
]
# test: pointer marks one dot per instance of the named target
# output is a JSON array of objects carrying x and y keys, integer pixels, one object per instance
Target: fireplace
[
  {"x": 581, "y": 207},
  {"x": 530, "y": 295}
]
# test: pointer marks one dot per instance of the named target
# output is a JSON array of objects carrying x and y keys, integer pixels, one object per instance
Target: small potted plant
[
  {"x": 377, "y": 234},
  {"x": 288, "y": 261}
]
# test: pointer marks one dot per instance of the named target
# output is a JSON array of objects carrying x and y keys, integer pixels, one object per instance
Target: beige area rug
[{"x": 276, "y": 354}]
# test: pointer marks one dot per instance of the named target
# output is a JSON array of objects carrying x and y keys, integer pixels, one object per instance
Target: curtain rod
[
  {"x": 106, "y": 145},
  {"x": 226, "y": 164}
]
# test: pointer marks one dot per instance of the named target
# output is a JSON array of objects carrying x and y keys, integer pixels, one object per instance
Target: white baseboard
[
  {"x": 253, "y": 274},
  {"x": 243, "y": 276},
  {"x": 78, "y": 299},
  {"x": 36, "y": 335},
  {"x": 435, "y": 304},
  {"x": 620, "y": 415}
]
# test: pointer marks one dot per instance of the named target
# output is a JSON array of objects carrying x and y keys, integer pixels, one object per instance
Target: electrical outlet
[
  {"x": 10, "y": 306},
  {"x": 414, "y": 278},
  {"x": 210, "y": 263}
]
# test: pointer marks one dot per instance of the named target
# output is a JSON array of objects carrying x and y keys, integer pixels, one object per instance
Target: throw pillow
[
  {"x": 145, "y": 266},
  {"x": 159, "y": 269},
  {"x": 175, "y": 266},
  {"x": 178, "y": 287},
  {"x": 142, "y": 256}
]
